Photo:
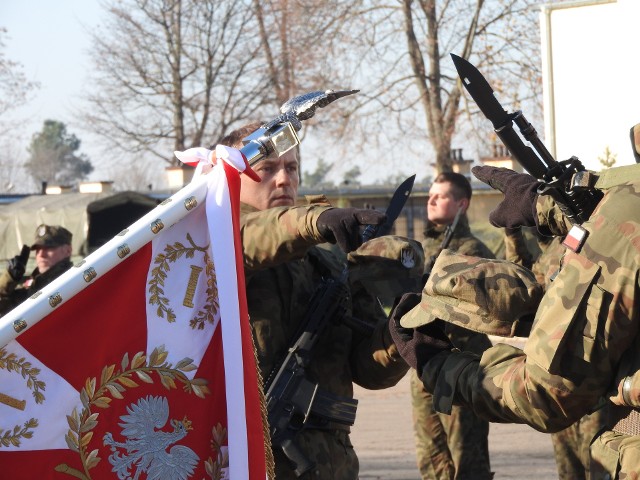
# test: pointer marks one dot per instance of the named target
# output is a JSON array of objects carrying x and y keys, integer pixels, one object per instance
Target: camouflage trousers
[
  {"x": 330, "y": 450},
  {"x": 448, "y": 447},
  {"x": 571, "y": 446}
]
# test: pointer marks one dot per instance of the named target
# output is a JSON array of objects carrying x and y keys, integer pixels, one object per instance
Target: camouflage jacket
[
  {"x": 583, "y": 345},
  {"x": 462, "y": 241},
  {"x": 13, "y": 293},
  {"x": 546, "y": 266},
  {"x": 465, "y": 243},
  {"x": 283, "y": 267}
]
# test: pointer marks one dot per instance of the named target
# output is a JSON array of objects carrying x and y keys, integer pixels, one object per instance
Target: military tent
[{"x": 92, "y": 218}]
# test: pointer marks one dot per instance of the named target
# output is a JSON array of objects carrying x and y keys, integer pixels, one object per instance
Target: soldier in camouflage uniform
[
  {"x": 571, "y": 445},
  {"x": 584, "y": 343},
  {"x": 286, "y": 258},
  {"x": 53, "y": 257},
  {"x": 454, "y": 445}
]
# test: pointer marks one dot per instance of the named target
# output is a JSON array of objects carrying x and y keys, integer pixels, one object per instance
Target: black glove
[
  {"x": 18, "y": 264},
  {"x": 520, "y": 192},
  {"x": 416, "y": 345},
  {"x": 342, "y": 225}
]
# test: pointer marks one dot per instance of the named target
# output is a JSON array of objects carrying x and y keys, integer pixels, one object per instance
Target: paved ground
[{"x": 383, "y": 438}]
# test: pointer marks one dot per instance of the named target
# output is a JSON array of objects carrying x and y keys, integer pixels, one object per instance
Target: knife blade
[
  {"x": 396, "y": 204},
  {"x": 481, "y": 92}
]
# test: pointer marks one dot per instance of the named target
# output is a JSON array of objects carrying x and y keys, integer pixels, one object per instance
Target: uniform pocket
[
  {"x": 604, "y": 460},
  {"x": 565, "y": 330}
]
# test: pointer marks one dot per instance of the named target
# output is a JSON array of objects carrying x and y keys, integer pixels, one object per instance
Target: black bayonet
[
  {"x": 396, "y": 205},
  {"x": 567, "y": 181},
  {"x": 482, "y": 93}
]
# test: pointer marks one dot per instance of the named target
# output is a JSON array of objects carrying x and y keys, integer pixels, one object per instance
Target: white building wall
[{"x": 591, "y": 74}]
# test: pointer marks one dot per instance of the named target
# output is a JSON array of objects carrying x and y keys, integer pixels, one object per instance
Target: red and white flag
[{"x": 138, "y": 362}]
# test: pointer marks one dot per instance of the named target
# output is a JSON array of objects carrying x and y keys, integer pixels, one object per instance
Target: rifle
[
  {"x": 448, "y": 236},
  {"x": 291, "y": 396},
  {"x": 567, "y": 182}
]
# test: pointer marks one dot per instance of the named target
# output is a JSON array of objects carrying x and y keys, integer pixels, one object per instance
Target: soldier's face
[
  {"x": 47, "y": 257},
  {"x": 442, "y": 205},
  {"x": 279, "y": 182}
]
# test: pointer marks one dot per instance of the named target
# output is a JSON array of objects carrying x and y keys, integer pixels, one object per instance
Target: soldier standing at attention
[
  {"x": 53, "y": 257},
  {"x": 584, "y": 343},
  {"x": 284, "y": 266},
  {"x": 454, "y": 446}
]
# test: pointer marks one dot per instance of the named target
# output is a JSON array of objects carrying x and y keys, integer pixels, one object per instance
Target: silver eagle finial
[{"x": 279, "y": 135}]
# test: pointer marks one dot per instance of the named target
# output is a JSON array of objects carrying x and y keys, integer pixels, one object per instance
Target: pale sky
[{"x": 49, "y": 38}]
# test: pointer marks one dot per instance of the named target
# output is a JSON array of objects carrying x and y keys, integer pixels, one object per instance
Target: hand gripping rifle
[
  {"x": 292, "y": 397},
  {"x": 567, "y": 182}
]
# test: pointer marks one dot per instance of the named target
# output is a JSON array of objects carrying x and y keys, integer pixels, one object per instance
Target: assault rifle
[
  {"x": 567, "y": 182},
  {"x": 448, "y": 236},
  {"x": 291, "y": 395}
]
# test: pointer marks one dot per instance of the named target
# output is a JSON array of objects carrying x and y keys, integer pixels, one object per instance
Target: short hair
[
  {"x": 460, "y": 183},
  {"x": 234, "y": 138}
]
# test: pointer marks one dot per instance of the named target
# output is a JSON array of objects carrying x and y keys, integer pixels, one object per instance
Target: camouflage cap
[
  {"x": 388, "y": 266},
  {"x": 635, "y": 142},
  {"x": 495, "y": 297},
  {"x": 51, "y": 236}
]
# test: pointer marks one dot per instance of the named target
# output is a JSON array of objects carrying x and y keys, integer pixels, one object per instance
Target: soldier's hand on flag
[
  {"x": 343, "y": 226},
  {"x": 520, "y": 192}
]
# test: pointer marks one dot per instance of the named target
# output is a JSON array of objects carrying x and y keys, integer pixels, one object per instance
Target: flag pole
[{"x": 98, "y": 263}]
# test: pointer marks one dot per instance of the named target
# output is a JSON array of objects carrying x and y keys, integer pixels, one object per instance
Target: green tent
[{"x": 92, "y": 218}]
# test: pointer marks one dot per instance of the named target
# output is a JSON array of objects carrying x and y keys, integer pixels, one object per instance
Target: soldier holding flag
[{"x": 284, "y": 266}]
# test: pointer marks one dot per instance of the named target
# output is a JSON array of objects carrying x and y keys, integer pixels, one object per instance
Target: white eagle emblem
[
  {"x": 145, "y": 449},
  {"x": 408, "y": 258}
]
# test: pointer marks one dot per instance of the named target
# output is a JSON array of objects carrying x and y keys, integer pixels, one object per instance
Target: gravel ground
[{"x": 383, "y": 438}]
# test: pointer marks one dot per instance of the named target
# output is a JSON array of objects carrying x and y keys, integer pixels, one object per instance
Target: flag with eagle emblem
[{"x": 138, "y": 361}]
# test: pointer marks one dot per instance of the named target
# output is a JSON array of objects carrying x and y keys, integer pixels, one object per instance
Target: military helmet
[
  {"x": 51, "y": 236},
  {"x": 495, "y": 297},
  {"x": 388, "y": 266},
  {"x": 635, "y": 142}
]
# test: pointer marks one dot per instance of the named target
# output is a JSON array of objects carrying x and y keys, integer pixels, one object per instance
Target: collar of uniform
[
  {"x": 246, "y": 208},
  {"x": 320, "y": 198},
  {"x": 434, "y": 231}
]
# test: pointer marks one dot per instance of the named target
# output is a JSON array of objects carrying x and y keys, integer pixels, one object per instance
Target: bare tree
[
  {"x": 172, "y": 74},
  {"x": 14, "y": 178},
  {"x": 15, "y": 89},
  {"x": 300, "y": 41},
  {"x": 498, "y": 36}
]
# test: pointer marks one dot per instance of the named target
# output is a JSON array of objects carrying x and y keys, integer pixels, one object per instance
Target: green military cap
[
  {"x": 388, "y": 266},
  {"x": 635, "y": 141},
  {"x": 51, "y": 236},
  {"x": 495, "y": 297}
]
